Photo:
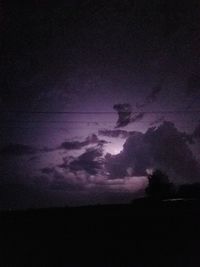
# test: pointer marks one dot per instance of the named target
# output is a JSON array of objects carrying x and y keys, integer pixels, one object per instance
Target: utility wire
[
  {"x": 54, "y": 128},
  {"x": 91, "y": 122},
  {"x": 100, "y": 112}
]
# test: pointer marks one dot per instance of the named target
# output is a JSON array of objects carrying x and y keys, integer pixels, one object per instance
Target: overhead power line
[
  {"x": 51, "y": 128},
  {"x": 100, "y": 112},
  {"x": 89, "y": 122},
  {"x": 32, "y": 121}
]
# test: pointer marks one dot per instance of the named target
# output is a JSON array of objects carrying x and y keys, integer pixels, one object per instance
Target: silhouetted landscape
[
  {"x": 162, "y": 229},
  {"x": 144, "y": 233}
]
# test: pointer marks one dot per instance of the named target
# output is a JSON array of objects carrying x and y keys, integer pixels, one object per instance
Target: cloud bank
[{"x": 163, "y": 147}]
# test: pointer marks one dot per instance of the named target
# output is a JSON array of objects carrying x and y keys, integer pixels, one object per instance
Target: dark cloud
[
  {"x": 169, "y": 150},
  {"x": 152, "y": 97},
  {"x": 90, "y": 161},
  {"x": 66, "y": 161},
  {"x": 75, "y": 145},
  {"x": 115, "y": 166},
  {"x": 72, "y": 145},
  {"x": 124, "y": 114},
  {"x": 17, "y": 150},
  {"x": 114, "y": 133},
  {"x": 163, "y": 147}
]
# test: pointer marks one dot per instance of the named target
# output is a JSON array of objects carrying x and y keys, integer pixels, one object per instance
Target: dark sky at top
[{"x": 80, "y": 79}]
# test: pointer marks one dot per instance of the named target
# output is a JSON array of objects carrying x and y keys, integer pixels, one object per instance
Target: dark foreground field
[{"x": 146, "y": 233}]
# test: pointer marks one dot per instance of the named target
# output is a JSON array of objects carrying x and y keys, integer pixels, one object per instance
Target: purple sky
[{"x": 91, "y": 79}]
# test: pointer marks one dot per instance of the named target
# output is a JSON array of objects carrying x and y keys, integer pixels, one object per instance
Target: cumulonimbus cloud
[{"x": 163, "y": 147}]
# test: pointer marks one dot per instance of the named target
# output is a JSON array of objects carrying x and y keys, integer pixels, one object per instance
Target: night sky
[{"x": 94, "y": 96}]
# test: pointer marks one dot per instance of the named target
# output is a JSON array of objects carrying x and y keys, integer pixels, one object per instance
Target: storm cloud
[
  {"x": 163, "y": 147},
  {"x": 126, "y": 116},
  {"x": 114, "y": 133},
  {"x": 90, "y": 161},
  {"x": 76, "y": 145}
]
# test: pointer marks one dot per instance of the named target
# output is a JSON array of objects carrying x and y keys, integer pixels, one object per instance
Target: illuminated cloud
[{"x": 163, "y": 147}]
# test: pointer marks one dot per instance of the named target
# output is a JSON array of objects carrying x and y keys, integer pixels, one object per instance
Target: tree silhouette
[{"x": 159, "y": 186}]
